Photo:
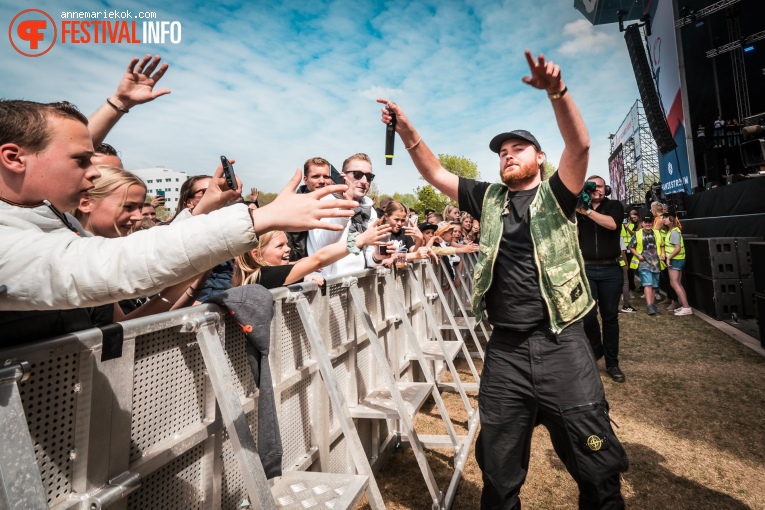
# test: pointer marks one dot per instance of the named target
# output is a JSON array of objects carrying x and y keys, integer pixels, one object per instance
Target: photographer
[{"x": 599, "y": 234}]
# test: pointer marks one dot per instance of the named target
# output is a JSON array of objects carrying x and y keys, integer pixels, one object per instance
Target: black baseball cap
[
  {"x": 649, "y": 219},
  {"x": 519, "y": 134},
  {"x": 427, "y": 226}
]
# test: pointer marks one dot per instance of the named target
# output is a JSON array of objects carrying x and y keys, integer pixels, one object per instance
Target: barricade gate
[{"x": 161, "y": 412}]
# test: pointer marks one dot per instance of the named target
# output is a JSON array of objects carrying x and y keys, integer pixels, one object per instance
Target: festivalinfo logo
[{"x": 33, "y": 32}]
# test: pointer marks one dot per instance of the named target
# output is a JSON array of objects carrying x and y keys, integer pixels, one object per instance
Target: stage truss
[{"x": 640, "y": 161}]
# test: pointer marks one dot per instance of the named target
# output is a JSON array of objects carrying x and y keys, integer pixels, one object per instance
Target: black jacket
[{"x": 596, "y": 242}]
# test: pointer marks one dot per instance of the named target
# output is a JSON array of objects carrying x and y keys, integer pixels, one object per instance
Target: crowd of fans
[
  {"x": 350, "y": 232},
  {"x": 379, "y": 233}
]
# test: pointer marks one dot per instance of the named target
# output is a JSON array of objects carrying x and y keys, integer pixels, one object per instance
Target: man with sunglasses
[{"x": 357, "y": 172}]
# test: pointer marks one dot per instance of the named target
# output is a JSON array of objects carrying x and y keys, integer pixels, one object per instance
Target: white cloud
[
  {"x": 375, "y": 92},
  {"x": 585, "y": 38},
  {"x": 300, "y": 80}
]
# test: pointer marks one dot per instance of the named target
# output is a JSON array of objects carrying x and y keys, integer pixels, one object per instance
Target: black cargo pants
[{"x": 538, "y": 377}]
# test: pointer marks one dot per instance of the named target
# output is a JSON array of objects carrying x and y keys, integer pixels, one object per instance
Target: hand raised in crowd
[
  {"x": 137, "y": 84},
  {"x": 373, "y": 235},
  {"x": 217, "y": 194},
  {"x": 426, "y": 252},
  {"x": 469, "y": 248},
  {"x": 295, "y": 212},
  {"x": 158, "y": 201},
  {"x": 544, "y": 75},
  {"x": 415, "y": 233}
]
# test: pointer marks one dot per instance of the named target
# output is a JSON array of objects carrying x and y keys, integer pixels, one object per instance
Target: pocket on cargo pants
[{"x": 597, "y": 453}]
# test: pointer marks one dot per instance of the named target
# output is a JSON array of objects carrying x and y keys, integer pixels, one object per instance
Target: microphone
[{"x": 390, "y": 137}]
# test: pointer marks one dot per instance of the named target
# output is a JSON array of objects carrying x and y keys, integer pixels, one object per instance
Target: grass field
[{"x": 691, "y": 417}]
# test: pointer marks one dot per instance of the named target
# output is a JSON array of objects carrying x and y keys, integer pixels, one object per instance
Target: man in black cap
[{"x": 539, "y": 367}]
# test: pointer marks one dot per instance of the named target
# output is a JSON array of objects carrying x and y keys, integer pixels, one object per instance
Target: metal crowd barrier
[{"x": 126, "y": 417}]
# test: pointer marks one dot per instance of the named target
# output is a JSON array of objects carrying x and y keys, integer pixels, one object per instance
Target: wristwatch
[{"x": 589, "y": 211}]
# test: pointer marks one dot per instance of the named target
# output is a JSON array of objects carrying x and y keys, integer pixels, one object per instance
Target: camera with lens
[{"x": 585, "y": 200}]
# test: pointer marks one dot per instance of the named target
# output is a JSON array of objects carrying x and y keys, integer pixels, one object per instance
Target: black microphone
[{"x": 390, "y": 137}]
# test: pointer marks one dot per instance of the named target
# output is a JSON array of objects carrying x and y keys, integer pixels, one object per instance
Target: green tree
[
  {"x": 430, "y": 198},
  {"x": 407, "y": 199},
  {"x": 459, "y": 165},
  {"x": 266, "y": 198}
]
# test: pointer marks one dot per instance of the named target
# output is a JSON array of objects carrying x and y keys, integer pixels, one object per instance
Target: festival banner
[{"x": 662, "y": 46}]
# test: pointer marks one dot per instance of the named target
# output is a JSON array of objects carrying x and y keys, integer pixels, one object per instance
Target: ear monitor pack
[{"x": 390, "y": 137}]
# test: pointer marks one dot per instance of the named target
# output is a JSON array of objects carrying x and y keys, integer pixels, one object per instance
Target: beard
[{"x": 522, "y": 175}]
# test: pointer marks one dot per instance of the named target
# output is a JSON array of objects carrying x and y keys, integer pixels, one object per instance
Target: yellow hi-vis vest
[
  {"x": 639, "y": 247},
  {"x": 669, "y": 248},
  {"x": 626, "y": 235}
]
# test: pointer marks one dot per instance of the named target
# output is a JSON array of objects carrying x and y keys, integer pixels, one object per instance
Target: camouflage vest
[{"x": 559, "y": 261}]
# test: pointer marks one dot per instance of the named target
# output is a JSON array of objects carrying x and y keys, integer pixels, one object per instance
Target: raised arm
[
  {"x": 135, "y": 87},
  {"x": 576, "y": 151},
  {"x": 422, "y": 157}
]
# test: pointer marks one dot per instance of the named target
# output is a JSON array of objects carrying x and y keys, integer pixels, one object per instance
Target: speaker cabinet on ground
[
  {"x": 757, "y": 261},
  {"x": 745, "y": 254},
  {"x": 748, "y": 299},
  {"x": 712, "y": 258},
  {"x": 718, "y": 298},
  {"x": 653, "y": 110}
]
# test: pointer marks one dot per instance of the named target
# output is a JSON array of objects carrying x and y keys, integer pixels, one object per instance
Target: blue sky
[{"x": 274, "y": 83}]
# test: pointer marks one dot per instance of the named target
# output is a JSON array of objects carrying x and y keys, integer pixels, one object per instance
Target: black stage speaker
[
  {"x": 718, "y": 298},
  {"x": 712, "y": 258},
  {"x": 651, "y": 104},
  {"x": 757, "y": 261}
]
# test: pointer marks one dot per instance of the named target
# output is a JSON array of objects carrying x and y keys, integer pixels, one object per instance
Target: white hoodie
[{"x": 46, "y": 266}]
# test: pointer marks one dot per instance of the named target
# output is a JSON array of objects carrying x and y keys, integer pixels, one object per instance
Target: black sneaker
[
  {"x": 616, "y": 374},
  {"x": 628, "y": 309}
]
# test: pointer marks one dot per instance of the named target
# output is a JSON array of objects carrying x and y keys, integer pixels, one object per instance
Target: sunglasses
[
  {"x": 199, "y": 192},
  {"x": 358, "y": 175}
]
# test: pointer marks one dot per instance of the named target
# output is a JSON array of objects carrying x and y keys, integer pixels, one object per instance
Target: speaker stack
[
  {"x": 651, "y": 102},
  {"x": 718, "y": 275},
  {"x": 757, "y": 259}
]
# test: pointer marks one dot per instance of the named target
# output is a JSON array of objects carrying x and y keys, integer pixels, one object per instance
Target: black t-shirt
[
  {"x": 272, "y": 277},
  {"x": 514, "y": 300},
  {"x": 599, "y": 243},
  {"x": 403, "y": 239}
]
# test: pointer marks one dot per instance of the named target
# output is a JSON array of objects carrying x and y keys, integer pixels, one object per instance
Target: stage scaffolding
[{"x": 641, "y": 160}]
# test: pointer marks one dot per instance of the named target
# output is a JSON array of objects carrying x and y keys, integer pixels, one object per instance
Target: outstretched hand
[
  {"x": 544, "y": 75},
  {"x": 374, "y": 234},
  {"x": 137, "y": 84},
  {"x": 293, "y": 212}
]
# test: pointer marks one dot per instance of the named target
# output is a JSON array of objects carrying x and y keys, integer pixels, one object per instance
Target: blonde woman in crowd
[
  {"x": 451, "y": 213},
  {"x": 269, "y": 263},
  {"x": 113, "y": 209}
]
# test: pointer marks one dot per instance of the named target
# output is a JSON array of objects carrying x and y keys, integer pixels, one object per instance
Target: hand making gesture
[
  {"x": 137, "y": 84},
  {"x": 544, "y": 75}
]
